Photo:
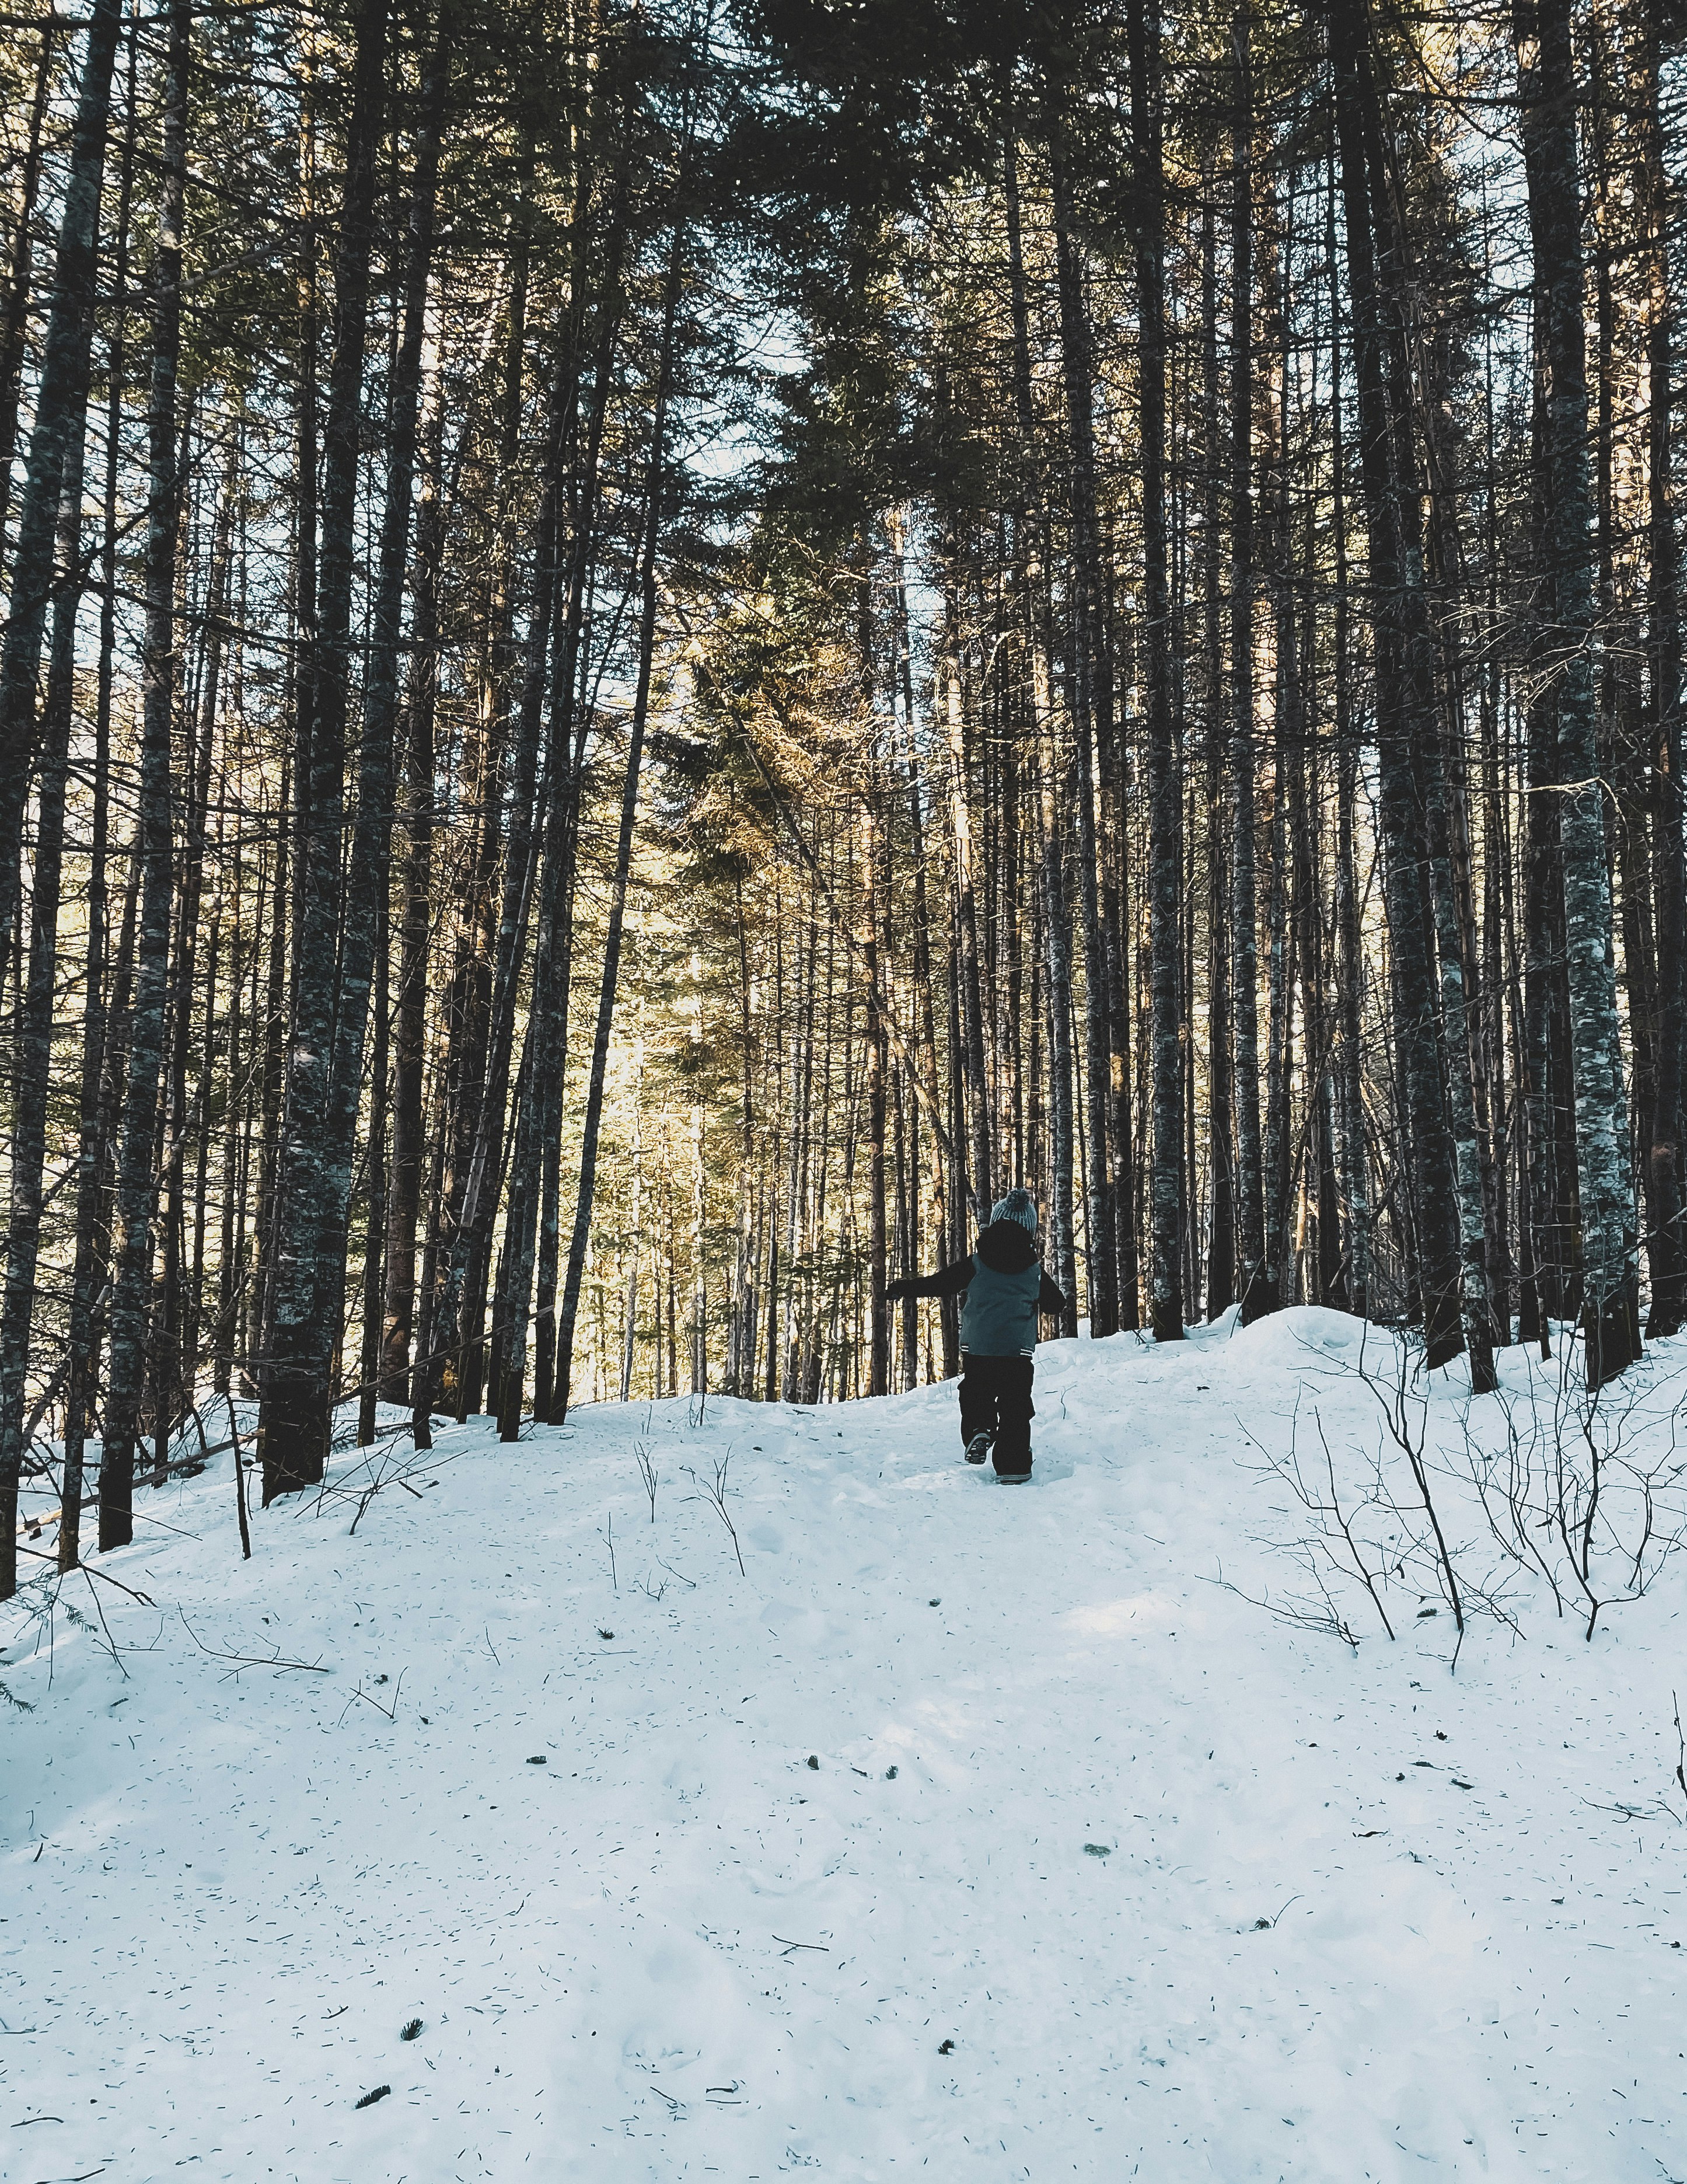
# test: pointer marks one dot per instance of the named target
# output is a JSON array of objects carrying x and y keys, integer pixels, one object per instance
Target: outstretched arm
[
  {"x": 1049, "y": 1298},
  {"x": 948, "y": 1281}
]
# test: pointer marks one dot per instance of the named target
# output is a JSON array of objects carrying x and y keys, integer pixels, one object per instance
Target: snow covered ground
[{"x": 969, "y": 1831}]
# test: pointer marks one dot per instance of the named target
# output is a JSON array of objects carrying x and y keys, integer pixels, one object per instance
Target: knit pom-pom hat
[{"x": 1018, "y": 1205}]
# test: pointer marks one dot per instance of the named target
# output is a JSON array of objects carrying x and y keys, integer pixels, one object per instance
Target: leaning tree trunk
[
  {"x": 1546, "y": 92},
  {"x": 629, "y": 808}
]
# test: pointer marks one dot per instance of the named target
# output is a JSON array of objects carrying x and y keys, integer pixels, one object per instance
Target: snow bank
[{"x": 969, "y": 1831}]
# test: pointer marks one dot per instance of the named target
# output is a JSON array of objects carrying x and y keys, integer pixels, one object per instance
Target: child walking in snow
[{"x": 1006, "y": 1289}]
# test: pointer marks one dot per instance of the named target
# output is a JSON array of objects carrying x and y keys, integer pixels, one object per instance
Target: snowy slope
[{"x": 1103, "y": 1871}]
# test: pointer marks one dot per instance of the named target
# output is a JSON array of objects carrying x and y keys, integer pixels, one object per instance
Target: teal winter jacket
[{"x": 1005, "y": 1289}]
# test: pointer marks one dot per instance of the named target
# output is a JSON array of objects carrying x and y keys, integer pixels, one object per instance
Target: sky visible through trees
[{"x": 650, "y": 649}]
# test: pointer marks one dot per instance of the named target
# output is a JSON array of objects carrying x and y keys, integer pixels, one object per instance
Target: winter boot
[{"x": 978, "y": 1447}]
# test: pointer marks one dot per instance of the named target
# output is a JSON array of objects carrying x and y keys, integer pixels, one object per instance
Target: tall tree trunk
[
  {"x": 1437, "y": 784},
  {"x": 15, "y": 328},
  {"x": 136, "y": 1180},
  {"x": 533, "y": 1221},
  {"x": 1086, "y": 676},
  {"x": 1458, "y": 1005},
  {"x": 874, "y": 911},
  {"x": 1398, "y": 611},
  {"x": 368, "y": 1358},
  {"x": 1221, "y": 1276},
  {"x": 416, "y": 441},
  {"x": 1349, "y": 955},
  {"x": 307, "y": 1242},
  {"x": 1164, "y": 784},
  {"x": 1030, "y": 539},
  {"x": 90, "y": 1272},
  {"x": 1547, "y": 92},
  {"x": 296, "y": 844},
  {"x": 974, "y": 1073},
  {"x": 367, "y": 885},
  {"x": 924, "y": 1027},
  {"x": 172, "y": 1311},
  {"x": 1257, "y": 1296},
  {"x": 60, "y": 415},
  {"x": 472, "y": 1246},
  {"x": 1668, "y": 1255},
  {"x": 409, "y": 1156},
  {"x": 33, "y": 1059},
  {"x": 1057, "y": 942},
  {"x": 1548, "y": 1132}
]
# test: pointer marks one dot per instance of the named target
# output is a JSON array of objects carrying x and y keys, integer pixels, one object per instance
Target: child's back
[
  {"x": 1006, "y": 1289},
  {"x": 1000, "y": 1318}
]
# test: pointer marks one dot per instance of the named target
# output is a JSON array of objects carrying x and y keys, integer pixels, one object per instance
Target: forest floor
[{"x": 970, "y": 1831}]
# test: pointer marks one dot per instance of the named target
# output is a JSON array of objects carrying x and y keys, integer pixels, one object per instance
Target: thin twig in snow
[
  {"x": 391, "y": 1713},
  {"x": 610, "y": 1536},
  {"x": 715, "y": 1495}
]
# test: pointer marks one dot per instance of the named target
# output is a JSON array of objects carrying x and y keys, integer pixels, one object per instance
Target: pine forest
[{"x": 653, "y": 646}]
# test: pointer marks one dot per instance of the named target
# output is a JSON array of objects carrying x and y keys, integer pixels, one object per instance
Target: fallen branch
[
  {"x": 195, "y": 1462},
  {"x": 249, "y": 1660}
]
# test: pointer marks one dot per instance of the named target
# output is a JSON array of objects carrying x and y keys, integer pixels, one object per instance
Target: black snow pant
[{"x": 995, "y": 1398}]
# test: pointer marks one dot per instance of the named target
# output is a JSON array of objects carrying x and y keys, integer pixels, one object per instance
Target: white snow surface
[{"x": 1108, "y": 1866}]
